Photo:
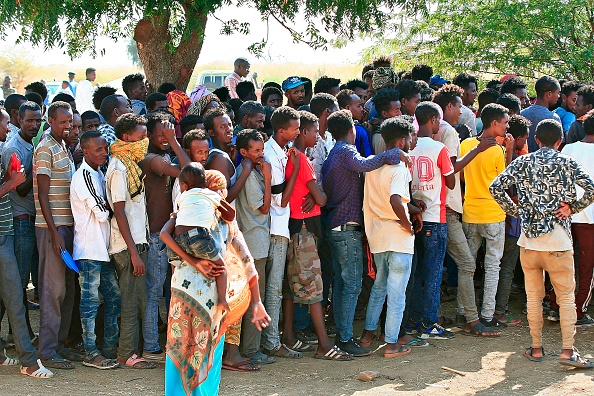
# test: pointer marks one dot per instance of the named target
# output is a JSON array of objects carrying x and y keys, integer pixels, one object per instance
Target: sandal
[
  {"x": 480, "y": 330},
  {"x": 261, "y": 358},
  {"x": 104, "y": 363},
  {"x": 528, "y": 354},
  {"x": 59, "y": 363},
  {"x": 245, "y": 366},
  {"x": 134, "y": 362},
  {"x": 71, "y": 355},
  {"x": 366, "y": 343},
  {"x": 41, "y": 372},
  {"x": 302, "y": 347},
  {"x": 402, "y": 350},
  {"x": 576, "y": 361},
  {"x": 417, "y": 342},
  {"x": 8, "y": 361},
  {"x": 335, "y": 353},
  {"x": 286, "y": 352},
  {"x": 510, "y": 321}
]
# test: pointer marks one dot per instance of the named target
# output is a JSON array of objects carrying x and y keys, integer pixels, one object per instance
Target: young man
[
  {"x": 21, "y": 198},
  {"x": 518, "y": 128},
  {"x": 582, "y": 228},
  {"x": 517, "y": 87},
  {"x": 272, "y": 96},
  {"x": 432, "y": 173},
  {"x": 566, "y": 111},
  {"x": 11, "y": 292},
  {"x": 546, "y": 183},
  {"x": 343, "y": 184},
  {"x": 253, "y": 218},
  {"x": 359, "y": 87},
  {"x": 410, "y": 96},
  {"x": 470, "y": 86},
  {"x": 12, "y": 104},
  {"x": 294, "y": 91},
  {"x": 159, "y": 171},
  {"x": 91, "y": 244},
  {"x": 52, "y": 174},
  {"x": 71, "y": 82},
  {"x": 328, "y": 85},
  {"x": 387, "y": 104},
  {"x": 449, "y": 98},
  {"x": 252, "y": 115},
  {"x": 391, "y": 237},
  {"x": 481, "y": 216},
  {"x": 128, "y": 242},
  {"x": 547, "y": 94},
  {"x": 322, "y": 106},
  {"x": 421, "y": 72},
  {"x": 155, "y": 101},
  {"x": 303, "y": 284},
  {"x": 84, "y": 91},
  {"x": 112, "y": 107},
  {"x": 349, "y": 100},
  {"x": 246, "y": 91},
  {"x": 584, "y": 103},
  {"x": 285, "y": 122},
  {"x": 511, "y": 102},
  {"x": 135, "y": 89},
  {"x": 90, "y": 121},
  {"x": 241, "y": 70}
]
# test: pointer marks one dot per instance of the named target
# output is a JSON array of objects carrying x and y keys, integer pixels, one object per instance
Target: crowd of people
[{"x": 270, "y": 227}]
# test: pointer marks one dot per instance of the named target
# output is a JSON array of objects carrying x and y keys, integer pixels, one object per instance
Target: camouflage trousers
[{"x": 303, "y": 275}]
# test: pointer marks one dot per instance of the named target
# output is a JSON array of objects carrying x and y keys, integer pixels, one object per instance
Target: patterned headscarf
[
  {"x": 178, "y": 104},
  {"x": 198, "y": 92},
  {"x": 197, "y": 108},
  {"x": 383, "y": 76},
  {"x": 131, "y": 153}
]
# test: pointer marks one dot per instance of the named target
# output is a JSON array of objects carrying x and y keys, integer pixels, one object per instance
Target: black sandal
[
  {"x": 479, "y": 330},
  {"x": 528, "y": 354}
]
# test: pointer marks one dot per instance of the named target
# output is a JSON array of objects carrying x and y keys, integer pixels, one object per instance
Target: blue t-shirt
[{"x": 537, "y": 113}]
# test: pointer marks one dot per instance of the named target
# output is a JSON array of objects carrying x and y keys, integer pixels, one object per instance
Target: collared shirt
[
  {"x": 318, "y": 154},
  {"x": 24, "y": 152},
  {"x": 279, "y": 216},
  {"x": 544, "y": 179},
  {"x": 231, "y": 82},
  {"x": 342, "y": 177},
  {"x": 91, "y": 217},
  {"x": 138, "y": 107}
]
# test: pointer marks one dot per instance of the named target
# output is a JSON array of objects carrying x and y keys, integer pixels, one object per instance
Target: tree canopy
[{"x": 521, "y": 36}]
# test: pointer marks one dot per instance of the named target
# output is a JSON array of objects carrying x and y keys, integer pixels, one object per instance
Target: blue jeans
[
  {"x": 430, "y": 247},
  {"x": 156, "y": 270},
  {"x": 347, "y": 254},
  {"x": 25, "y": 248},
  {"x": 391, "y": 278},
  {"x": 275, "y": 270},
  {"x": 96, "y": 277}
]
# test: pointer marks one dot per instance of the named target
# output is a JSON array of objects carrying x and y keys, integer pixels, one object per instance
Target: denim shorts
[{"x": 199, "y": 243}]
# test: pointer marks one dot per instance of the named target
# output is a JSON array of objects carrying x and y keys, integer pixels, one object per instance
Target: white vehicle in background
[{"x": 213, "y": 79}]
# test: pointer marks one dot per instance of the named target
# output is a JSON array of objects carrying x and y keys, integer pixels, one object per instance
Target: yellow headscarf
[{"x": 131, "y": 153}]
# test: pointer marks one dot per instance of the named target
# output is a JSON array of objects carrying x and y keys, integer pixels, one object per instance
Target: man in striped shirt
[
  {"x": 52, "y": 174},
  {"x": 242, "y": 69}
]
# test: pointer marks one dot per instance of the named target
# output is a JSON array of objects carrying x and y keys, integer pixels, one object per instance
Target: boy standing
[
  {"x": 91, "y": 244},
  {"x": 129, "y": 229},
  {"x": 547, "y": 197},
  {"x": 547, "y": 94}
]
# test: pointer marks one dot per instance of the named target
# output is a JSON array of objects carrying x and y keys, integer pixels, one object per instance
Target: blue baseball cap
[
  {"x": 292, "y": 82},
  {"x": 438, "y": 80}
]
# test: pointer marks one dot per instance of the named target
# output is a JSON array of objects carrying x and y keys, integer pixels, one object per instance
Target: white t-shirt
[
  {"x": 135, "y": 209},
  {"x": 431, "y": 163},
  {"x": 91, "y": 217},
  {"x": 279, "y": 216},
  {"x": 467, "y": 117},
  {"x": 197, "y": 208},
  {"x": 383, "y": 232},
  {"x": 449, "y": 137},
  {"x": 555, "y": 241},
  {"x": 584, "y": 153}
]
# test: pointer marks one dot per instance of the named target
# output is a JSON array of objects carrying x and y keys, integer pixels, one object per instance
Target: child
[{"x": 196, "y": 219}]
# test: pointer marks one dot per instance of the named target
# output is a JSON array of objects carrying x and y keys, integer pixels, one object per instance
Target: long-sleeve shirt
[
  {"x": 231, "y": 82},
  {"x": 544, "y": 179},
  {"x": 343, "y": 181},
  {"x": 84, "y": 96}
]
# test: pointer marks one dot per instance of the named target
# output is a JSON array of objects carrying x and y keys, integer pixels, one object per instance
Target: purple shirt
[{"x": 342, "y": 179}]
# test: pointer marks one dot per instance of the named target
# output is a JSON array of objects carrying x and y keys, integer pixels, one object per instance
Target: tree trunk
[{"x": 161, "y": 61}]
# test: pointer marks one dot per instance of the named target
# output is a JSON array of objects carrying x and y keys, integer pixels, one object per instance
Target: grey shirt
[
  {"x": 537, "y": 113},
  {"x": 24, "y": 151},
  {"x": 254, "y": 225}
]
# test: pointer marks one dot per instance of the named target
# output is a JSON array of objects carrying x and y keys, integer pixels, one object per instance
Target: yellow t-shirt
[{"x": 479, "y": 205}]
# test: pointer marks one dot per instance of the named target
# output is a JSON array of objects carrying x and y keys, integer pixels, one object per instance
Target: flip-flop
[
  {"x": 335, "y": 353},
  {"x": 577, "y": 361},
  {"x": 302, "y": 347},
  {"x": 288, "y": 352},
  {"x": 132, "y": 361},
  {"x": 261, "y": 358},
  {"x": 365, "y": 344},
  {"x": 41, "y": 372},
  {"x": 245, "y": 366},
  {"x": 510, "y": 321},
  {"x": 417, "y": 343},
  {"x": 528, "y": 354},
  {"x": 478, "y": 329},
  {"x": 402, "y": 350},
  {"x": 104, "y": 364}
]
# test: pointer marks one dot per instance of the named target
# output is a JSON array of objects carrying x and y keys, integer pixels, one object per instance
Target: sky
[{"x": 280, "y": 48}]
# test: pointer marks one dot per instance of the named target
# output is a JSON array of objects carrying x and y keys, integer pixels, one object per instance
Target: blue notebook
[{"x": 68, "y": 260}]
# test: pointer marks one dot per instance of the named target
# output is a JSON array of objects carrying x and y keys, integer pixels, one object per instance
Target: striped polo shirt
[
  {"x": 51, "y": 158},
  {"x": 5, "y": 213}
]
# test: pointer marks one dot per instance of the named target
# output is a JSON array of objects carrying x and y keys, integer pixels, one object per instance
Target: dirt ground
[{"x": 492, "y": 367}]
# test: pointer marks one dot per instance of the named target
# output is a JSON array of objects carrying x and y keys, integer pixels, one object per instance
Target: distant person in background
[
  {"x": 100, "y": 94},
  {"x": 135, "y": 89},
  {"x": 517, "y": 87},
  {"x": 421, "y": 72},
  {"x": 84, "y": 91},
  {"x": 272, "y": 96},
  {"x": 71, "y": 82},
  {"x": 327, "y": 85},
  {"x": 7, "y": 88},
  {"x": 470, "y": 85},
  {"x": 294, "y": 91},
  {"x": 308, "y": 87},
  {"x": 156, "y": 101},
  {"x": 246, "y": 91},
  {"x": 567, "y": 110},
  {"x": 547, "y": 93},
  {"x": 241, "y": 70},
  {"x": 66, "y": 88}
]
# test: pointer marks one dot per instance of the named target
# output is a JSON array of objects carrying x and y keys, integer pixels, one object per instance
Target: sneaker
[
  {"x": 585, "y": 321},
  {"x": 157, "y": 357},
  {"x": 306, "y": 336},
  {"x": 437, "y": 332},
  {"x": 352, "y": 347},
  {"x": 553, "y": 316}
]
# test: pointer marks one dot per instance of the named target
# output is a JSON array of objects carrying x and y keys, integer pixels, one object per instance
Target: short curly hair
[
  {"x": 512, "y": 84},
  {"x": 519, "y": 126},
  {"x": 129, "y": 81},
  {"x": 396, "y": 128},
  {"x": 211, "y": 115},
  {"x": 306, "y": 119},
  {"x": 340, "y": 123},
  {"x": 282, "y": 116},
  {"x": 126, "y": 123},
  {"x": 245, "y": 135},
  {"x": 447, "y": 94},
  {"x": 194, "y": 134},
  {"x": 383, "y": 98}
]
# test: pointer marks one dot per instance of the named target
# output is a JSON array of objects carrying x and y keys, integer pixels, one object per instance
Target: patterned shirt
[
  {"x": 138, "y": 107},
  {"x": 5, "y": 212},
  {"x": 318, "y": 154},
  {"x": 231, "y": 82},
  {"x": 108, "y": 133},
  {"x": 51, "y": 158},
  {"x": 544, "y": 179},
  {"x": 343, "y": 181}
]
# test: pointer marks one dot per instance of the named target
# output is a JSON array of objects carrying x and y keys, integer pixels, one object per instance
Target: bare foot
[{"x": 223, "y": 305}]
